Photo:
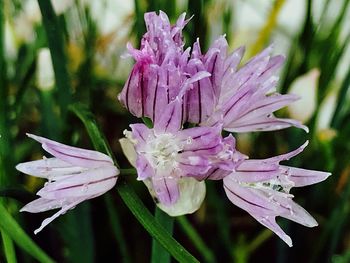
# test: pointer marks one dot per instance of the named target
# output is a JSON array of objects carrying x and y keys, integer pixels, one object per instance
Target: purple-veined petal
[
  {"x": 266, "y": 106},
  {"x": 213, "y": 174},
  {"x": 287, "y": 156},
  {"x": 254, "y": 176},
  {"x": 50, "y": 168},
  {"x": 166, "y": 189},
  {"x": 89, "y": 183},
  {"x": 270, "y": 222},
  {"x": 274, "y": 64},
  {"x": 200, "y": 98},
  {"x": 259, "y": 165},
  {"x": 171, "y": 119},
  {"x": 200, "y": 138},
  {"x": 245, "y": 76},
  {"x": 215, "y": 62},
  {"x": 63, "y": 210},
  {"x": 302, "y": 177},
  {"x": 41, "y": 205},
  {"x": 191, "y": 196},
  {"x": 232, "y": 61},
  {"x": 191, "y": 164},
  {"x": 140, "y": 133},
  {"x": 73, "y": 155},
  {"x": 269, "y": 123},
  {"x": 247, "y": 199},
  {"x": 144, "y": 168},
  {"x": 294, "y": 211}
]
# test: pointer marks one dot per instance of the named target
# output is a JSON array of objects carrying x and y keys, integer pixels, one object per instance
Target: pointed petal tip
[
  {"x": 289, "y": 241},
  {"x": 20, "y": 167}
]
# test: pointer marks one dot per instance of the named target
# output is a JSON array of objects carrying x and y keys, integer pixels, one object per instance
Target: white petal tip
[{"x": 21, "y": 167}]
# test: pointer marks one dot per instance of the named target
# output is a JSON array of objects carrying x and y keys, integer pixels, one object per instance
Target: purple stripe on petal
[
  {"x": 270, "y": 223},
  {"x": 302, "y": 177},
  {"x": 144, "y": 168},
  {"x": 170, "y": 120},
  {"x": 74, "y": 151},
  {"x": 89, "y": 183},
  {"x": 166, "y": 189}
]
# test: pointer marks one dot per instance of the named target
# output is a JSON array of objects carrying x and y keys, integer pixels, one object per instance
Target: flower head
[
  {"x": 163, "y": 69},
  {"x": 166, "y": 154},
  {"x": 74, "y": 175},
  {"x": 261, "y": 187},
  {"x": 212, "y": 92}
]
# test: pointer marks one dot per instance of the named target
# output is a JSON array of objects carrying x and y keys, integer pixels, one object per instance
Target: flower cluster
[
  {"x": 211, "y": 92},
  {"x": 191, "y": 97}
]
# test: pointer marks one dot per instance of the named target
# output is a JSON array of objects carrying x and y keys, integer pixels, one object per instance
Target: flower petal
[
  {"x": 41, "y": 205},
  {"x": 129, "y": 151},
  {"x": 50, "y": 168},
  {"x": 60, "y": 212},
  {"x": 73, "y": 155},
  {"x": 270, "y": 222},
  {"x": 171, "y": 119},
  {"x": 302, "y": 177},
  {"x": 191, "y": 196},
  {"x": 89, "y": 183},
  {"x": 166, "y": 189}
]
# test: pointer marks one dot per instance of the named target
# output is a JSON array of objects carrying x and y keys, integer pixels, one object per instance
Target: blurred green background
[{"x": 86, "y": 40}]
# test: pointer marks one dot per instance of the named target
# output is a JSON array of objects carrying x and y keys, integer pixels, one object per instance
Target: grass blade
[
  {"x": 159, "y": 254},
  {"x": 56, "y": 45},
  {"x": 196, "y": 239},
  {"x": 17, "y": 234},
  {"x": 9, "y": 249},
  {"x": 117, "y": 228}
]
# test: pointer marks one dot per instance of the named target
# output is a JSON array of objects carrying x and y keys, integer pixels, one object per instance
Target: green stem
[
  {"x": 196, "y": 239},
  {"x": 156, "y": 230},
  {"x": 159, "y": 254},
  {"x": 117, "y": 228},
  {"x": 128, "y": 171}
]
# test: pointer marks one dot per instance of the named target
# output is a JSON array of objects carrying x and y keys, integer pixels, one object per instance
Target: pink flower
[
  {"x": 74, "y": 175},
  {"x": 261, "y": 187}
]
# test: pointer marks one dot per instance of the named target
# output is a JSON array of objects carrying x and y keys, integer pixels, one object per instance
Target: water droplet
[
  {"x": 85, "y": 188},
  {"x": 189, "y": 140}
]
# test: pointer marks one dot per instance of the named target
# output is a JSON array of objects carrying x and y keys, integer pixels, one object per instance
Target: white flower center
[{"x": 162, "y": 151}]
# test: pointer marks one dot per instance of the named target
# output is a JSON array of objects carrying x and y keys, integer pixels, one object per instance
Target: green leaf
[
  {"x": 159, "y": 254},
  {"x": 342, "y": 96},
  {"x": 128, "y": 195},
  {"x": 9, "y": 249},
  {"x": 196, "y": 239},
  {"x": 17, "y": 234},
  {"x": 55, "y": 41}
]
